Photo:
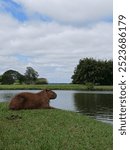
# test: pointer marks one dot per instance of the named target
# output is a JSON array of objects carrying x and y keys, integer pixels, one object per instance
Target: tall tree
[
  {"x": 31, "y": 75},
  {"x": 95, "y": 71}
]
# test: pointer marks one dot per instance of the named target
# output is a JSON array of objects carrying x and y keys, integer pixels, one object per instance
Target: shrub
[{"x": 41, "y": 81}]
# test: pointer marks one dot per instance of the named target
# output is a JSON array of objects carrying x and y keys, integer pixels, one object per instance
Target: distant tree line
[
  {"x": 29, "y": 77},
  {"x": 94, "y": 71}
]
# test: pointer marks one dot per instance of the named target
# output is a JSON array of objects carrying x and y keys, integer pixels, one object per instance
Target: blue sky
[
  {"x": 17, "y": 10},
  {"x": 52, "y": 40},
  {"x": 14, "y": 9}
]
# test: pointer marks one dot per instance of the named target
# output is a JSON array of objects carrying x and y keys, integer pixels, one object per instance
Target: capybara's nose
[{"x": 55, "y": 95}]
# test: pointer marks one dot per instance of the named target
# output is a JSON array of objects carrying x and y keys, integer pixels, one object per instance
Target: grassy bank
[
  {"x": 54, "y": 87},
  {"x": 51, "y": 130}
]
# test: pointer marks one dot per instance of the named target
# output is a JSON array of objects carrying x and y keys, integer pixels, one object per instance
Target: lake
[{"x": 97, "y": 104}]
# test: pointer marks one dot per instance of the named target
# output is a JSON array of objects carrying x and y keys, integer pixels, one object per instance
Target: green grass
[
  {"x": 51, "y": 130},
  {"x": 53, "y": 87}
]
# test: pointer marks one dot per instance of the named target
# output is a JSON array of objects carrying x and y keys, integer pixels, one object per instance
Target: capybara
[{"x": 27, "y": 100}]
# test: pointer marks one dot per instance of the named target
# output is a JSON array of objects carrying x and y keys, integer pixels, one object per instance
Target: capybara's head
[{"x": 51, "y": 94}]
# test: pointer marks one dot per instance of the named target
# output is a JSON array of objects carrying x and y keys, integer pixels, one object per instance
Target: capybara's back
[{"x": 27, "y": 100}]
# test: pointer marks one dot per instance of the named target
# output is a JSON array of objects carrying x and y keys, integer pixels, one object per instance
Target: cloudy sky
[{"x": 53, "y": 35}]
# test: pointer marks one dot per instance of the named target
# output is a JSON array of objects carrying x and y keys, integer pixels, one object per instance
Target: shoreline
[{"x": 56, "y": 87}]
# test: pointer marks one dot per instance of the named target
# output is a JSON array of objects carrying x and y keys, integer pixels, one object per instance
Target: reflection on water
[
  {"x": 95, "y": 104},
  {"x": 99, "y": 106}
]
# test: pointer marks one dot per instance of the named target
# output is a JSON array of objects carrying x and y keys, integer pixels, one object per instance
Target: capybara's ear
[{"x": 47, "y": 90}]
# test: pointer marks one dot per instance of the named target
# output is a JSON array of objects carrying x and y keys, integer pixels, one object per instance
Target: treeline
[
  {"x": 14, "y": 77},
  {"x": 89, "y": 70}
]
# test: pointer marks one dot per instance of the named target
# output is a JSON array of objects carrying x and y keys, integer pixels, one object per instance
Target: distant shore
[{"x": 56, "y": 87}]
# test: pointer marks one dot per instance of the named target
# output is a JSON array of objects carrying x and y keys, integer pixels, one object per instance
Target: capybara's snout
[{"x": 51, "y": 94}]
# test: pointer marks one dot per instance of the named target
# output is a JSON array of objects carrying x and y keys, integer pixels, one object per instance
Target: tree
[
  {"x": 0, "y": 79},
  {"x": 10, "y": 76},
  {"x": 94, "y": 71},
  {"x": 22, "y": 79},
  {"x": 31, "y": 75},
  {"x": 85, "y": 71}
]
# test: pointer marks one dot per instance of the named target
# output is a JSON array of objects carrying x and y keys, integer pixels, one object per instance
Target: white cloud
[
  {"x": 52, "y": 48},
  {"x": 70, "y": 10}
]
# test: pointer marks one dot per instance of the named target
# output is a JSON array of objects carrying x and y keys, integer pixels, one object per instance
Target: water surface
[{"x": 97, "y": 104}]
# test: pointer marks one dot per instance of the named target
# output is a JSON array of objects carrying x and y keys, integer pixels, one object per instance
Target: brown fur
[{"x": 28, "y": 100}]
